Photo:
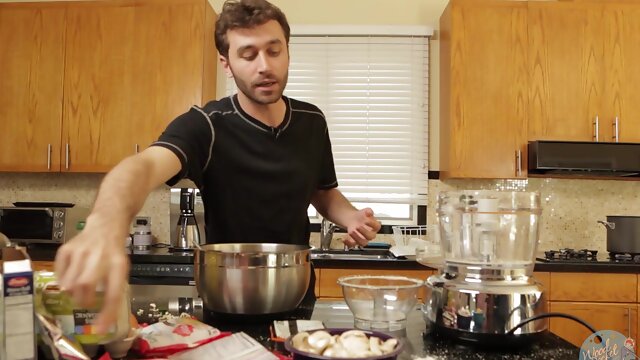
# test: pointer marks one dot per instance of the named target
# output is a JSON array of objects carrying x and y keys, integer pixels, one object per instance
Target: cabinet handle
[
  {"x": 518, "y": 163},
  {"x": 628, "y": 322},
  {"x": 136, "y": 149},
  {"x": 616, "y": 128},
  {"x": 48, "y": 156},
  {"x": 596, "y": 129},
  {"x": 66, "y": 156}
]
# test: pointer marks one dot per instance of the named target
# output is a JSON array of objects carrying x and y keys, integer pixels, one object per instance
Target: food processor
[{"x": 485, "y": 291}]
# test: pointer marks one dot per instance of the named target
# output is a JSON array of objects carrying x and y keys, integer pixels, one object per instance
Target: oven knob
[
  {"x": 57, "y": 235},
  {"x": 57, "y": 224},
  {"x": 59, "y": 214}
]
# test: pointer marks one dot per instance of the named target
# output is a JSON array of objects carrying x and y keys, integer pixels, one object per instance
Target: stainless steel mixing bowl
[{"x": 252, "y": 278}]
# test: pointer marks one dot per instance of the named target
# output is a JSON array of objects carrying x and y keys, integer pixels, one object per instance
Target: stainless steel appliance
[
  {"x": 27, "y": 223},
  {"x": 252, "y": 278},
  {"x": 187, "y": 230},
  {"x": 486, "y": 289},
  {"x": 176, "y": 212},
  {"x": 623, "y": 234},
  {"x": 584, "y": 158},
  {"x": 162, "y": 281}
]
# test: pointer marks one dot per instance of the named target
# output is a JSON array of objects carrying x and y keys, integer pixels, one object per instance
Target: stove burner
[
  {"x": 624, "y": 257},
  {"x": 571, "y": 254}
]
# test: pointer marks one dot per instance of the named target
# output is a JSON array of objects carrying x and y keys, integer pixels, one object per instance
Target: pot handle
[{"x": 610, "y": 225}]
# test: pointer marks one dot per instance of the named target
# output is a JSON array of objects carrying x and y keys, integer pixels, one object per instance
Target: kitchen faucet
[{"x": 327, "y": 228}]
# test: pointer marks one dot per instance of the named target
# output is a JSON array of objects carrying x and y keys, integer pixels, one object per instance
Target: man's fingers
[
  {"x": 358, "y": 237},
  {"x": 63, "y": 257},
  {"x": 112, "y": 297},
  {"x": 349, "y": 242}
]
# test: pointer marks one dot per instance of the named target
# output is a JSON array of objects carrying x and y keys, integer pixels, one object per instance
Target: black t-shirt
[{"x": 256, "y": 181}]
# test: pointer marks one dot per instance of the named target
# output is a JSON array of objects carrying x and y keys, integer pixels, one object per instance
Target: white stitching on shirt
[
  {"x": 309, "y": 111},
  {"x": 221, "y": 113},
  {"x": 213, "y": 135},
  {"x": 328, "y": 185},
  {"x": 245, "y": 119},
  {"x": 184, "y": 155}
]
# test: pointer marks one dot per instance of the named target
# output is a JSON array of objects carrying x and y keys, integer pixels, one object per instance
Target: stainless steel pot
[
  {"x": 623, "y": 234},
  {"x": 252, "y": 278}
]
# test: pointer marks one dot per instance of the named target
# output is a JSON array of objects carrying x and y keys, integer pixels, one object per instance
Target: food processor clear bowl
[
  {"x": 483, "y": 229},
  {"x": 380, "y": 302}
]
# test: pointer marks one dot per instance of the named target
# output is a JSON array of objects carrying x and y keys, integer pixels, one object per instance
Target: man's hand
[
  {"x": 95, "y": 257},
  {"x": 362, "y": 227}
]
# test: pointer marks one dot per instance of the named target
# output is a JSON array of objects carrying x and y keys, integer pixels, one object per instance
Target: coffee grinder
[{"x": 187, "y": 232}]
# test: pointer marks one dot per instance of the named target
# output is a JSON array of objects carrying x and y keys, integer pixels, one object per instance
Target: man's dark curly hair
[{"x": 246, "y": 14}]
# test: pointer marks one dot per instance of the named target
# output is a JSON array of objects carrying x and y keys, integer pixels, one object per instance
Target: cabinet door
[
  {"x": 622, "y": 318},
  {"x": 484, "y": 89},
  {"x": 131, "y": 67},
  {"x": 566, "y": 70},
  {"x": 622, "y": 78},
  {"x": 32, "y": 63}
]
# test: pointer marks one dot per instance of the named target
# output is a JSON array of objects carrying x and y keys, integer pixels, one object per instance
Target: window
[{"x": 373, "y": 91}]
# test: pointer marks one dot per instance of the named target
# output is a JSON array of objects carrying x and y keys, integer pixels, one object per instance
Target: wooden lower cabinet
[
  {"x": 327, "y": 282},
  {"x": 42, "y": 265},
  {"x": 596, "y": 287},
  {"x": 621, "y": 317}
]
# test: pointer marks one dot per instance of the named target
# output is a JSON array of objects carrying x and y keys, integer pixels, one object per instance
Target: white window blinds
[{"x": 373, "y": 91}]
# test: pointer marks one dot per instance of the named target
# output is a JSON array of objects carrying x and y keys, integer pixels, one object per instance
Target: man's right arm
[{"x": 97, "y": 255}]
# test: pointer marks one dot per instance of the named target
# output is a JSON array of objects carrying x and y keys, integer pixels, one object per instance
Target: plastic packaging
[{"x": 74, "y": 320}]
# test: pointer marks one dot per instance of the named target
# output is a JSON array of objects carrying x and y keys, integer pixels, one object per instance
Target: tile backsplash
[
  {"x": 571, "y": 207},
  {"x": 80, "y": 189}
]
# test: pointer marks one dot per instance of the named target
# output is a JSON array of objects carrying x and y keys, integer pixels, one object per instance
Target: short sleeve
[
  {"x": 327, "y": 179},
  {"x": 190, "y": 137}
]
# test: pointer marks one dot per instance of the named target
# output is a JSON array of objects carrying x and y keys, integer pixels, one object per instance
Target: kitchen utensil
[
  {"x": 252, "y": 278},
  {"x": 380, "y": 302},
  {"x": 623, "y": 234},
  {"x": 488, "y": 240},
  {"x": 187, "y": 232},
  {"x": 303, "y": 355}
]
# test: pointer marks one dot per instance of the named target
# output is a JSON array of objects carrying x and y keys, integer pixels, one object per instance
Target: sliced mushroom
[
  {"x": 319, "y": 340},
  {"x": 337, "y": 351},
  {"x": 374, "y": 345},
  {"x": 389, "y": 345},
  {"x": 300, "y": 341}
]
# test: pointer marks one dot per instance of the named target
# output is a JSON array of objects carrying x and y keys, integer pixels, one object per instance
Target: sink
[{"x": 352, "y": 255}]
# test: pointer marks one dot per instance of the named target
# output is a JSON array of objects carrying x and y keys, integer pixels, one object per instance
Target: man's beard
[{"x": 253, "y": 94}]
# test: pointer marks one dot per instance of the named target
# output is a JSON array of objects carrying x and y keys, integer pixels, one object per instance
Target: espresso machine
[
  {"x": 485, "y": 291},
  {"x": 187, "y": 232}
]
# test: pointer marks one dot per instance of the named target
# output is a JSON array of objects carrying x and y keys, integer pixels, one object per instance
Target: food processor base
[{"x": 486, "y": 340}]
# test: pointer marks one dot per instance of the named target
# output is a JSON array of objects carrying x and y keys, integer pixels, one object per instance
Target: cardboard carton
[{"x": 17, "y": 325}]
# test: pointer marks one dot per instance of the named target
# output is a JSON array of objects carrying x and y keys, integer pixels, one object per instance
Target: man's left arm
[{"x": 361, "y": 225}]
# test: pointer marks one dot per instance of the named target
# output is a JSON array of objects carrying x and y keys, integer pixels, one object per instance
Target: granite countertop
[
  {"x": 335, "y": 314},
  {"x": 47, "y": 253}
]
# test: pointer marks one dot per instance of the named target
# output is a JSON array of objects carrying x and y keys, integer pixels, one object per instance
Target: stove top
[
  {"x": 587, "y": 256},
  {"x": 160, "y": 254}
]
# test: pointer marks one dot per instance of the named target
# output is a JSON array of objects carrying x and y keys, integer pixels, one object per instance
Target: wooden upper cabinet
[
  {"x": 32, "y": 67},
  {"x": 622, "y": 78},
  {"x": 566, "y": 69},
  {"x": 131, "y": 67},
  {"x": 484, "y": 89}
]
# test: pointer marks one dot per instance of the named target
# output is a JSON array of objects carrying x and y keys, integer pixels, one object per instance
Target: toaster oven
[{"x": 41, "y": 224}]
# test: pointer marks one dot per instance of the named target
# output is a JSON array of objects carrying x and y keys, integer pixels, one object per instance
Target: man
[{"x": 259, "y": 159}]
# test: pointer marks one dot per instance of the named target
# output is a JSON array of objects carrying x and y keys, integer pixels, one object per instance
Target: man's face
[{"x": 258, "y": 61}]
